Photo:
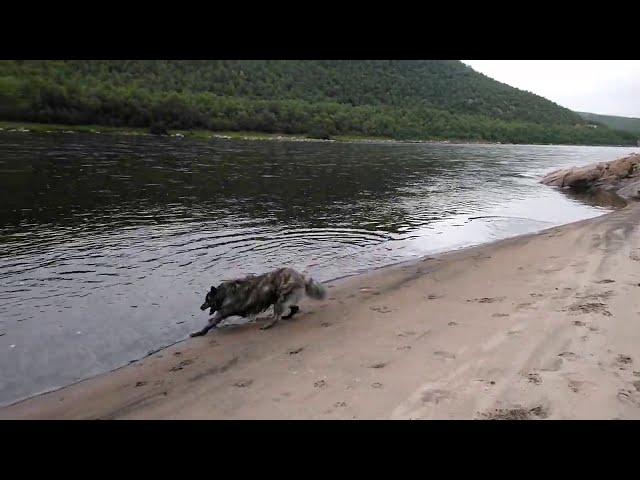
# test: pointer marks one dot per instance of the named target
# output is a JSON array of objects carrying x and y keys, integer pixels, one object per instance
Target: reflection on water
[
  {"x": 107, "y": 244},
  {"x": 596, "y": 198}
]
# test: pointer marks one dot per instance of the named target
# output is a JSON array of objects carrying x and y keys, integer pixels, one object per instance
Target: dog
[{"x": 283, "y": 288}]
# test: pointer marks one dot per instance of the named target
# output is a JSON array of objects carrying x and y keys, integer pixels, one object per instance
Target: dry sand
[{"x": 538, "y": 326}]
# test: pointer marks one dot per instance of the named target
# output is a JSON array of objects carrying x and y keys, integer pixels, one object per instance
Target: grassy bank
[{"x": 207, "y": 135}]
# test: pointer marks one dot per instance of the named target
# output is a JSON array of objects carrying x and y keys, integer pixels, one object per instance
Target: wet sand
[{"x": 538, "y": 326}]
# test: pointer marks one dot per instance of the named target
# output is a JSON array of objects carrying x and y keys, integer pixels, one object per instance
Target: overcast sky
[{"x": 608, "y": 87}]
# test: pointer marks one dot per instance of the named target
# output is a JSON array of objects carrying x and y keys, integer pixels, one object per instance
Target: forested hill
[
  {"x": 397, "y": 99},
  {"x": 628, "y": 124},
  {"x": 446, "y": 85}
]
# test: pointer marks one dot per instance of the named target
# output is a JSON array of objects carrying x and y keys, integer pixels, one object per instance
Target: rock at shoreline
[{"x": 621, "y": 176}]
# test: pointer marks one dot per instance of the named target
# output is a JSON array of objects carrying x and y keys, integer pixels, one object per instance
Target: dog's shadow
[{"x": 240, "y": 324}]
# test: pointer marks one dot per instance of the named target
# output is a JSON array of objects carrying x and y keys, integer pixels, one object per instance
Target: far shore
[{"x": 206, "y": 135}]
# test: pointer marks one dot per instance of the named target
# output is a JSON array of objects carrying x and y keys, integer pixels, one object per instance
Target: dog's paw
[
  {"x": 195, "y": 334},
  {"x": 267, "y": 326}
]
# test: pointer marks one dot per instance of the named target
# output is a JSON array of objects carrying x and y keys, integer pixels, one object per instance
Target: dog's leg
[
  {"x": 278, "y": 308},
  {"x": 213, "y": 321},
  {"x": 286, "y": 302},
  {"x": 293, "y": 309}
]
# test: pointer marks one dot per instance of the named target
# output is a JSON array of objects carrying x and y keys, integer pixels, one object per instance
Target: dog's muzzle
[{"x": 204, "y": 306}]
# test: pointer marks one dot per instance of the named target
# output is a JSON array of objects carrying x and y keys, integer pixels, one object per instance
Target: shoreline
[
  {"x": 333, "y": 282},
  {"x": 207, "y": 135},
  {"x": 227, "y": 362}
]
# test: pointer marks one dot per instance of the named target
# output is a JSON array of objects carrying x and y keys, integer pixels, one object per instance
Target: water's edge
[{"x": 337, "y": 281}]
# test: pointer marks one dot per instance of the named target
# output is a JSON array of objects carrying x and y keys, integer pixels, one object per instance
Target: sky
[{"x": 607, "y": 87}]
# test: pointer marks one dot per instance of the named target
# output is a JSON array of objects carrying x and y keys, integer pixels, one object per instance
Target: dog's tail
[{"x": 314, "y": 289}]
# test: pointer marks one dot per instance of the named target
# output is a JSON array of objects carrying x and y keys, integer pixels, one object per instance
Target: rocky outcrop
[{"x": 621, "y": 176}]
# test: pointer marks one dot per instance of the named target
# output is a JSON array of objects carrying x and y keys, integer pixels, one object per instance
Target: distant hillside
[
  {"x": 626, "y": 124},
  {"x": 397, "y": 99}
]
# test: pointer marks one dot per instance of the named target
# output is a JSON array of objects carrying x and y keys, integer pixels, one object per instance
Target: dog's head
[{"x": 211, "y": 301}]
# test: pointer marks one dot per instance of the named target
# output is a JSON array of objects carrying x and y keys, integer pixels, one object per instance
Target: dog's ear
[{"x": 213, "y": 290}]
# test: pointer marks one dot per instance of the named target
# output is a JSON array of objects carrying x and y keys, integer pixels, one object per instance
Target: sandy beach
[{"x": 542, "y": 326}]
